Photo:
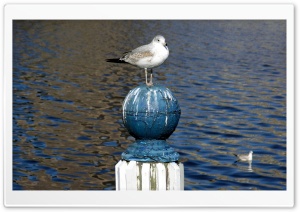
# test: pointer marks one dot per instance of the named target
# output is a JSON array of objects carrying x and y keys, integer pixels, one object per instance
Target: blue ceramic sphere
[
  {"x": 151, "y": 112},
  {"x": 151, "y": 115}
]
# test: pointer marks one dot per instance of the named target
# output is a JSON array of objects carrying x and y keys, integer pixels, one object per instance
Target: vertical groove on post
[
  {"x": 146, "y": 176},
  {"x": 153, "y": 176},
  {"x": 139, "y": 166},
  {"x": 167, "y": 176}
]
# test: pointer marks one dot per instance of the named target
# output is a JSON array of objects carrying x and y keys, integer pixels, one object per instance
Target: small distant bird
[
  {"x": 147, "y": 56},
  {"x": 244, "y": 157}
]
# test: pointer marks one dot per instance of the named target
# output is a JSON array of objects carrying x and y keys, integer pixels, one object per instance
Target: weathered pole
[{"x": 150, "y": 114}]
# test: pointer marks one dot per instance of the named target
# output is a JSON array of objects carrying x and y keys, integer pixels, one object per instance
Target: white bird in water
[
  {"x": 147, "y": 56},
  {"x": 244, "y": 157}
]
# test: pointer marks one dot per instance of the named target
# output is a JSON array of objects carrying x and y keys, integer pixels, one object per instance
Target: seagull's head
[
  {"x": 251, "y": 152},
  {"x": 160, "y": 40}
]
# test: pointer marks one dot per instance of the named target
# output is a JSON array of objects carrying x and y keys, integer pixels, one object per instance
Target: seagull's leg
[
  {"x": 146, "y": 76},
  {"x": 148, "y": 83},
  {"x": 151, "y": 71}
]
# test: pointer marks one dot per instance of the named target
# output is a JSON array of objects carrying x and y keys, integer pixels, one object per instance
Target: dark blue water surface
[{"x": 228, "y": 76}]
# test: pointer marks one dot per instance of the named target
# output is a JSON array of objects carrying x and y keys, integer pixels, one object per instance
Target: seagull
[
  {"x": 147, "y": 56},
  {"x": 244, "y": 157}
]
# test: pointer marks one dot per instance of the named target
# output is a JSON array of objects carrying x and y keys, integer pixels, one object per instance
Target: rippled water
[{"x": 228, "y": 76}]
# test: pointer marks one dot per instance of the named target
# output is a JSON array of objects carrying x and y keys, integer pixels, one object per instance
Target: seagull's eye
[{"x": 158, "y": 40}]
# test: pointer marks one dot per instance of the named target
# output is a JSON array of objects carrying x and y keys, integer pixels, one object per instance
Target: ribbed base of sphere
[{"x": 150, "y": 151}]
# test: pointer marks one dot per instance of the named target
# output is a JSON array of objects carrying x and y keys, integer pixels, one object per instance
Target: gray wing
[{"x": 137, "y": 54}]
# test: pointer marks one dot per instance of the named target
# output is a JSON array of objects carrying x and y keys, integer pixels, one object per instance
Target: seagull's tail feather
[{"x": 115, "y": 60}]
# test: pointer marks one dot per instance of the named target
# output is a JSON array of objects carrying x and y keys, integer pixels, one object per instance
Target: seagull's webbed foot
[{"x": 149, "y": 83}]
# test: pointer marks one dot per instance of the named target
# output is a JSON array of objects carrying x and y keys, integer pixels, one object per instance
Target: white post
[
  {"x": 181, "y": 167},
  {"x": 149, "y": 176},
  {"x": 120, "y": 170},
  {"x": 161, "y": 177},
  {"x": 131, "y": 179},
  {"x": 174, "y": 176},
  {"x": 145, "y": 175}
]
